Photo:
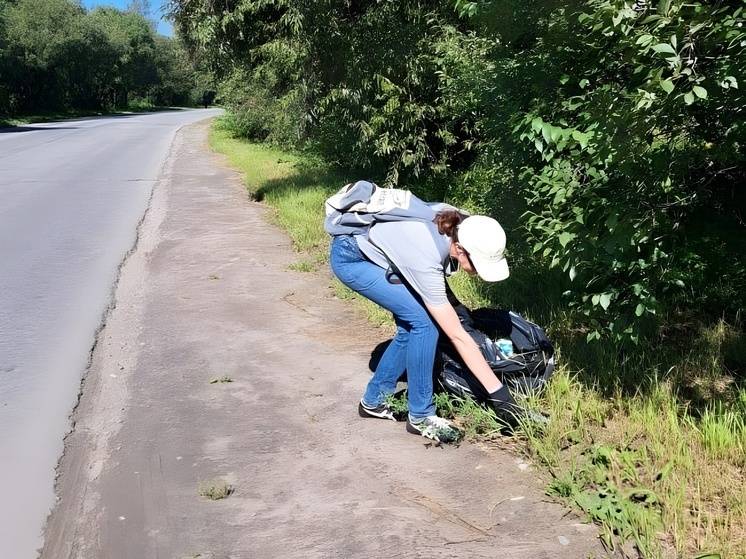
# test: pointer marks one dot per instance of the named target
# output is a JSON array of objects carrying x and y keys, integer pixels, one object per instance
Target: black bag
[{"x": 525, "y": 371}]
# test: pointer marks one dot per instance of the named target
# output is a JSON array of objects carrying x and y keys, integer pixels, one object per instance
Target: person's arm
[
  {"x": 499, "y": 397},
  {"x": 467, "y": 348}
]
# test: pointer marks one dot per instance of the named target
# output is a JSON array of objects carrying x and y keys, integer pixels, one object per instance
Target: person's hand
[
  {"x": 509, "y": 412},
  {"x": 505, "y": 407}
]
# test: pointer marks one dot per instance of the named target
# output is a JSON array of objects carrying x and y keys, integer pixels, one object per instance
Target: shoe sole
[
  {"x": 370, "y": 414},
  {"x": 415, "y": 431}
]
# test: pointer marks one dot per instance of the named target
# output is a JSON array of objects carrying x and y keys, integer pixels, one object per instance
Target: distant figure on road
[
  {"x": 208, "y": 97},
  {"x": 397, "y": 250}
]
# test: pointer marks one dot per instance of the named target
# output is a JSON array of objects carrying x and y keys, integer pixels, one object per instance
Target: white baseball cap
[{"x": 484, "y": 239}]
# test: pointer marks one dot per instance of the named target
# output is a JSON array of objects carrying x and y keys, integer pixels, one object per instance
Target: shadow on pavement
[
  {"x": 5, "y": 130},
  {"x": 47, "y": 119}
]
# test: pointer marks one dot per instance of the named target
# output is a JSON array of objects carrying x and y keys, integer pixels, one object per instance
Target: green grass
[
  {"x": 650, "y": 442},
  {"x": 303, "y": 266}
]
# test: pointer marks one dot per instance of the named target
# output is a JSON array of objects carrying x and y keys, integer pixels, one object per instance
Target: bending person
[{"x": 402, "y": 266}]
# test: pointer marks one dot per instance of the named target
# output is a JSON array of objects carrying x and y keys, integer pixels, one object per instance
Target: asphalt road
[{"x": 71, "y": 196}]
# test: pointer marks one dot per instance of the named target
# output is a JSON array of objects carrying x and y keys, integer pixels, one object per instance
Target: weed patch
[
  {"x": 398, "y": 404},
  {"x": 303, "y": 266},
  {"x": 215, "y": 490}
]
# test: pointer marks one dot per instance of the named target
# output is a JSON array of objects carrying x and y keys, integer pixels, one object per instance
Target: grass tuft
[
  {"x": 303, "y": 266},
  {"x": 215, "y": 490}
]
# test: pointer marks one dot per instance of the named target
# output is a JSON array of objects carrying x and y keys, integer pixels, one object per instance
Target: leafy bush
[
  {"x": 609, "y": 133},
  {"x": 625, "y": 140}
]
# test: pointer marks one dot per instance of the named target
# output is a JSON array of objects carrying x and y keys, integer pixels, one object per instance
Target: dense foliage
[
  {"x": 616, "y": 126},
  {"x": 628, "y": 124},
  {"x": 54, "y": 55}
]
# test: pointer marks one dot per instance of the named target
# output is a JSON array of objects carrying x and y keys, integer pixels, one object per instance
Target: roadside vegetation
[
  {"x": 59, "y": 60},
  {"x": 607, "y": 137}
]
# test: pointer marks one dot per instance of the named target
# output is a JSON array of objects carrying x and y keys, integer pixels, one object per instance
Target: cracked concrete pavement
[{"x": 208, "y": 293}]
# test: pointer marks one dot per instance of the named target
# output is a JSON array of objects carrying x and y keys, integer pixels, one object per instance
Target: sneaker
[
  {"x": 381, "y": 411},
  {"x": 434, "y": 427}
]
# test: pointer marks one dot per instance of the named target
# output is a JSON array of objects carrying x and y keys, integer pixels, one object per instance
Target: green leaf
[
  {"x": 689, "y": 98},
  {"x": 605, "y": 300},
  {"x": 539, "y": 145},
  {"x": 581, "y": 138},
  {"x": 583, "y": 83},
  {"x": 696, "y": 28},
  {"x": 559, "y": 196},
  {"x": 664, "y": 47},
  {"x": 573, "y": 273},
  {"x": 640, "y": 309},
  {"x": 700, "y": 91},
  {"x": 565, "y": 238},
  {"x": 667, "y": 86},
  {"x": 644, "y": 39},
  {"x": 546, "y": 132},
  {"x": 555, "y": 133}
]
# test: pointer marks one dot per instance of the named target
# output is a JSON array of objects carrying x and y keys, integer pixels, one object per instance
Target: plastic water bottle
[{"x": 505, "y": 346}]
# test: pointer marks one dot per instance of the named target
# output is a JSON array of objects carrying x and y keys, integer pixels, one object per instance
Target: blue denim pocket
[{"x": 344, "y": 250}]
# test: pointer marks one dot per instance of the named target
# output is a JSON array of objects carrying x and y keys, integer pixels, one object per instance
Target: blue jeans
[{"x": 413, "y": 347}]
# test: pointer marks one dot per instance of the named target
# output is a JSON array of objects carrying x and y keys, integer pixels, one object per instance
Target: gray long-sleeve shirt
[{"x": 419, "y": 252}]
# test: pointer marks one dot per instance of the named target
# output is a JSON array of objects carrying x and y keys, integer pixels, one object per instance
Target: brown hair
[{"x": 448, "y": 222}]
